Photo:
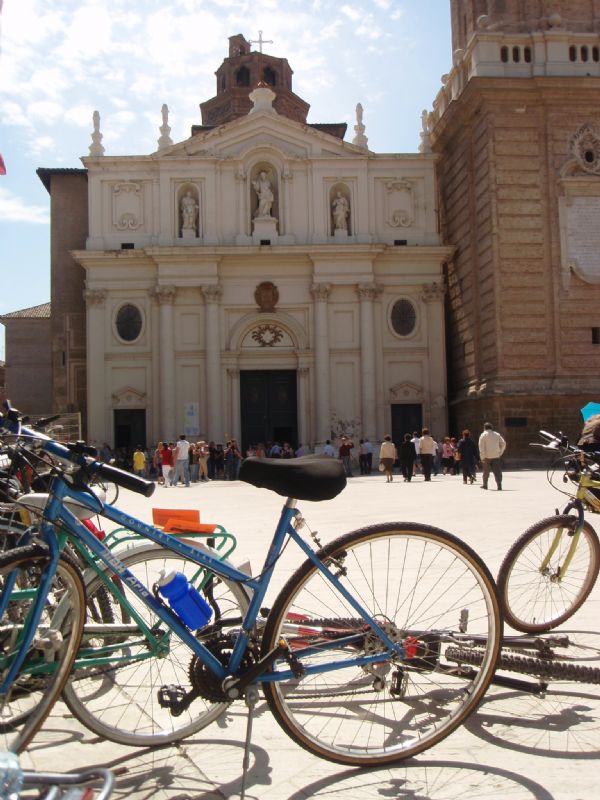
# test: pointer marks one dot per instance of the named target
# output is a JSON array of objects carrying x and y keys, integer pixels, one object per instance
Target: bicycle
[
  {"x": 20, "y": 783},
  {"x": 551, "y": 569},
  {"x": 351, "y": 657}
]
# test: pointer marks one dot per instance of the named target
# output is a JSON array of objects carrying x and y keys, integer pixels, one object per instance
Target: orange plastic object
[
  {"x": 161, "y": 516},
  {"x": 182, "y": 526}
]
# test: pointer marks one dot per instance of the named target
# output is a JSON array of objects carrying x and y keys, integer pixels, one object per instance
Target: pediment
[
  {"x": 235, "y": 139},
  {"x": 129, "y": 398},
  {"x": 405, "y": 392}
]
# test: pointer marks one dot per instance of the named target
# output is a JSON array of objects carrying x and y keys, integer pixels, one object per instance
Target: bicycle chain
[{"x": 540, "y": 668}]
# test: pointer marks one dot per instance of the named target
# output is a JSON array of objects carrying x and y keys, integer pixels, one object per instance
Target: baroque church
[
  {"x": 268, "y": 279},
  {"x": 263, "y": 279}
]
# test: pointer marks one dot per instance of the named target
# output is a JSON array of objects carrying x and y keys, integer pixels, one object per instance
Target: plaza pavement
[{"x": 516, "y": 746}]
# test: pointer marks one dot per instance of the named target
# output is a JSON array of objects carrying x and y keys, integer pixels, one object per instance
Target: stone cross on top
[{"x": 260, "y": 41}]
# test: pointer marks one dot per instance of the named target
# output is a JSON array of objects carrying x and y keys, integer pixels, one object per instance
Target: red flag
[{"x": 2, "y": 167}]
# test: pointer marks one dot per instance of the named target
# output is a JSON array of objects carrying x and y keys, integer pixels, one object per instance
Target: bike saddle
[{"x": 305, "y": 478}]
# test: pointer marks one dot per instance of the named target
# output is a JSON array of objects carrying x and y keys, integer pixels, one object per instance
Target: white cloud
[{"x": 15, "y": 209}]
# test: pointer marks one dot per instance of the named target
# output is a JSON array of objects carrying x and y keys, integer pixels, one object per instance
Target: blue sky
[{"x": 62, "y": 59}]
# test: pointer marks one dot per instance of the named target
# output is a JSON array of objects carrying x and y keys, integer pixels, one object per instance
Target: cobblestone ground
[{"x": 516, "y": 746}]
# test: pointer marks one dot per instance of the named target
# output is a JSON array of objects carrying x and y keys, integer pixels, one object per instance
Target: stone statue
[
  {"x": 262, "y": 187},
  {"x": 341, "y": 210},
  {"x": 189, "y": 212}
]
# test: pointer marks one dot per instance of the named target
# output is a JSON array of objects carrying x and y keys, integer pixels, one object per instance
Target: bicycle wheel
[
  {"x": 426, "y": 589},
  {"x": 110, "y": 489},
  {"x": 49, "y": 659},
  {"x": 535, "y": 591},
  {"x": 119, "y": 700}
]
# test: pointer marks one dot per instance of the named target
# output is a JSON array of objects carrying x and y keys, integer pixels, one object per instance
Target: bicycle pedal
[{"x": 170, "y": 696}]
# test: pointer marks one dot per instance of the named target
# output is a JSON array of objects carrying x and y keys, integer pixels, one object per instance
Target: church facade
[{"x": 263, "y": 280}]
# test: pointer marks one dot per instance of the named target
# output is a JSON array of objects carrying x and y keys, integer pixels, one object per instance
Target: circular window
[
  {"x": 129, "y": 322},
  {"x": 404, "y": 317}
]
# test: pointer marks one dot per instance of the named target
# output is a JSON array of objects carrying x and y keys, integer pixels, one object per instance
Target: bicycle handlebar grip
[{"x": 126, "y": 480}]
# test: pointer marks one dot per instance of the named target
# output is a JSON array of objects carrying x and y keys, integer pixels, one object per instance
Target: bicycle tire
[
  {"x": 542, "y": 668},
  {"x": 534, "y": 601},
  {"x": 31, "y": 698},
  {"x": 418, "y": 582},
  {"x": 110, "y": 489},
  {"x": 120, "y": 703}
]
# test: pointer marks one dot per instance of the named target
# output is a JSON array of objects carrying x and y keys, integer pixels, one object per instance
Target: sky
[{"x": 62, "y": 59}]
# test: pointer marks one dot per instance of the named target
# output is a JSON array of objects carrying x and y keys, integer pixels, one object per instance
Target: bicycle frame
[
  {"x": 57, "y": 514},
  {"x": 578, "y": 504}
]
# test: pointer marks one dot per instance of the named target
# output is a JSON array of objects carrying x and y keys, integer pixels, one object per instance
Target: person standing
[
  {"x": 139, "y": 462},
  {"x": 328, "y": 449},
  {"x": 427, "y": 447},
  {"x": 387, "y": 457},
  {"x": 408, "y": 454},
  {"x": 345, "y": 455},
  {"x": 491, "y": 448},
  {"x": 203, "y": 456},
  {"x": 362, "y": 457},
  {"x": 415, "y": 440},
  {"x": 469, "y": 456},
  {"x": 182, "y": 461},
  {"x": 369, "y": 448},
  {"x": 166, "y": 460}
]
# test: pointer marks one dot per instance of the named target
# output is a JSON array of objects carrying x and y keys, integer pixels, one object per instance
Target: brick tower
[{"x": 517, "y": 128}]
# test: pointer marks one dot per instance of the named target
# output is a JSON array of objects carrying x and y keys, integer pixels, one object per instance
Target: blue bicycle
[{"x": 351, "y": 658}]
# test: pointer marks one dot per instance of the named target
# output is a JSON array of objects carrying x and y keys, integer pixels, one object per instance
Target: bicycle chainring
[{"x": 202, "y": 679}]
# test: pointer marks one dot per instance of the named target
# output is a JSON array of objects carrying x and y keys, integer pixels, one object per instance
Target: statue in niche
[
  {"x": 341, "y": 210},
  {"x": 264, "y": 190},
  {"x": 189, "y": 212}
]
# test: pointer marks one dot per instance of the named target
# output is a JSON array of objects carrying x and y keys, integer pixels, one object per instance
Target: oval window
[
  {"x": 129, "y": 322},
  {"x": 404, "y": 317}
]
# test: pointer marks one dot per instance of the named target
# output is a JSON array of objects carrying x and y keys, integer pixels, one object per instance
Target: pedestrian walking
[
  {"x": 387, "y": 457},
  {"x": 491, "y": 449}
]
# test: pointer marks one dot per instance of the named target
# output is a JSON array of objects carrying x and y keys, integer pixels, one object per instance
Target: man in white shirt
[
  {"x": 491, "y": 448},
  {"x": 182, "y": 461}
]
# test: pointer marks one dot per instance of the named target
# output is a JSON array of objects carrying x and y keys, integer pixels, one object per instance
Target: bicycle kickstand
[{"x": 251, "y": 701}]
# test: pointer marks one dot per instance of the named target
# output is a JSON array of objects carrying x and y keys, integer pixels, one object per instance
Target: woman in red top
[{"x": 166, "y": 458}]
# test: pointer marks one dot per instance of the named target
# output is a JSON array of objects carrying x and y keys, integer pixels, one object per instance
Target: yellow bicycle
[{"x": 551, "y": 569}]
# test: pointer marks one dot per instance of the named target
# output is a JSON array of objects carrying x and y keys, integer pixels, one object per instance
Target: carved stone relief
[
  {"x": 266, "y": 296},
  {"x": 399, "y": 203},
  {"x": 127, "y": 206}
]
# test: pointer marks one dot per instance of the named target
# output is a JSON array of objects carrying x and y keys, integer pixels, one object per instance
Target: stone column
[
  {"x": 303, "y": 421},
  {"x": 165, "y": 296},
  {"x": 234, "y": 404},
  {"x": 212, "y": 345},
  {"x": 320, "y": 293},
  {"x": 368, "y": 293},
  {"x": 95, "y": 319},
  {"x": 433, "y": 298}
]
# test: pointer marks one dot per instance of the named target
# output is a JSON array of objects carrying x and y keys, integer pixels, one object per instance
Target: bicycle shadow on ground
[
  {"x": 148, "y": 777},
  {"x": 563, "y": 724},
  {"x": 424, "y": 780}
]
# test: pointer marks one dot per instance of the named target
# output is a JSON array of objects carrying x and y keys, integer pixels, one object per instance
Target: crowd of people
[{"x": 419, "y": 454}]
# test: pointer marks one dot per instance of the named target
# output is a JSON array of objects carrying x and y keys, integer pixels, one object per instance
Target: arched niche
[
  {"x": 264, "y": 191},
  {"x": 340, "y": 210},
  {"x": 242, "y": 77},
  {"x": 269, "y": 76},
  {"x": 188, "y": 211}
]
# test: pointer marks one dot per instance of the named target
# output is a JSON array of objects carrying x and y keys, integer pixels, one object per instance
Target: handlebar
[{"x": 78, "y": 453}]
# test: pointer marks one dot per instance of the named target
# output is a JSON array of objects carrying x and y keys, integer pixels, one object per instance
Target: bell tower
[
  {"x": 516, "y": 125},
  {"x": 242, "y": 72}
]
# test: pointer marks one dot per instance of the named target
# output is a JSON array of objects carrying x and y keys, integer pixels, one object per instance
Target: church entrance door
[
  {"x": 130, "y": 428},
  {"x": 269, "y": 407},
  {"x": 406, "y": 418}
]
